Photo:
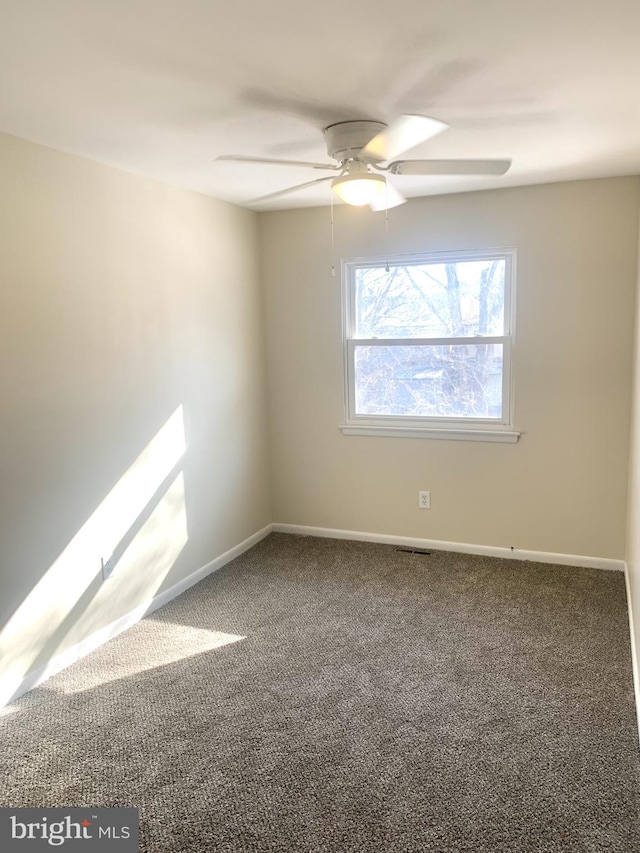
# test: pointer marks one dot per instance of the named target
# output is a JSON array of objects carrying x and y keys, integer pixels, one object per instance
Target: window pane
[
  {"x": 461, "y": 299},
  {"x": 461, "y": 381}
]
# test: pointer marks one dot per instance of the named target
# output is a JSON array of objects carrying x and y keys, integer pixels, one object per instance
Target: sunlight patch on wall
[
  {"x": 145, "y": 563},
  {"x": 68, "y": 589},
  {"x": 150, "y": 644}
]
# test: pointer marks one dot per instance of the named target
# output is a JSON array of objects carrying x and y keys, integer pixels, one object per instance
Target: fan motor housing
[{"x": 347, "y": 138}]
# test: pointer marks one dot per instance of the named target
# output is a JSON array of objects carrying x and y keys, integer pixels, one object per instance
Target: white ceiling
[{"x": 163, "y": 87}]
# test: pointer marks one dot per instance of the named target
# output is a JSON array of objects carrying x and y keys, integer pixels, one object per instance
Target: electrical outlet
[
  {"x": 107, "y": 568},
  {"x": 424, "y": 500}
]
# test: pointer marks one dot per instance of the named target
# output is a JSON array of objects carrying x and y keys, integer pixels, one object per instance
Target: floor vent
[{"x": 420, "y": 551}]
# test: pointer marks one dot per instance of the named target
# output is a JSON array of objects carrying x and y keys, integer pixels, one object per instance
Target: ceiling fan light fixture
[{"x": 359, "y": 189}]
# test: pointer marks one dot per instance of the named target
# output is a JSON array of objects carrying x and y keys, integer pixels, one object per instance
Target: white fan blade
[
  {"x": 239, "y": 159},
  {"x": 449, "y": 167},
  {"x": 403, "y": 133},
  {"x": 288, "y": 190},
  {"x": 391, "y": 197}
]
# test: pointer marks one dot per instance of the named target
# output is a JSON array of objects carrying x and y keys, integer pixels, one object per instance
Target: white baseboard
[
  {"x": 93, "y": 641},
  {"x": 461, "y": 547},
  {"x": 634, "y": 649}
]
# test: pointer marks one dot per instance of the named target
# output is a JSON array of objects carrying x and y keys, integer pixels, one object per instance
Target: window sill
[{"x": 502, "y": 436}]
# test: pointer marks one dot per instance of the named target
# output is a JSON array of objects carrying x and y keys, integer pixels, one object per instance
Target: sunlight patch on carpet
[{"x": 157, "y": 644}]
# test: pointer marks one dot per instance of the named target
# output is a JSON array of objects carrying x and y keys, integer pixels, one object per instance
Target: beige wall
[
  {"x": 123, "y": 301},
  {"x": 633, "y": 507},
  {"x": 562, "y": 488}
]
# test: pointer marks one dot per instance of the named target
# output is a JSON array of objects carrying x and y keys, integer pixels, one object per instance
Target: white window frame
[{"x": 465, "y": 429}]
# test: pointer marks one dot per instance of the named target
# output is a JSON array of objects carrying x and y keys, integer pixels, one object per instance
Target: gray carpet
[{"x": 329, "y": 697}]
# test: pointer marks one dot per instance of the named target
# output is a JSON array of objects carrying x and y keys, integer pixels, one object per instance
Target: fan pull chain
[
  {"x": 386, "y": 226},
  {"x": 333, "y": 247}
]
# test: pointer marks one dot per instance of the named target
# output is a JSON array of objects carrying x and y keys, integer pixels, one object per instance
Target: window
[{"x": 428, "y": 345}]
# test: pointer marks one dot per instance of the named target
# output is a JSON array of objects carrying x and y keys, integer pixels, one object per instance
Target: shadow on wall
[{"x": 142, "y": 524}]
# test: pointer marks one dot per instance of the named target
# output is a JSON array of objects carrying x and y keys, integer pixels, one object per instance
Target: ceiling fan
[{"x": 362, "y": 147}]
